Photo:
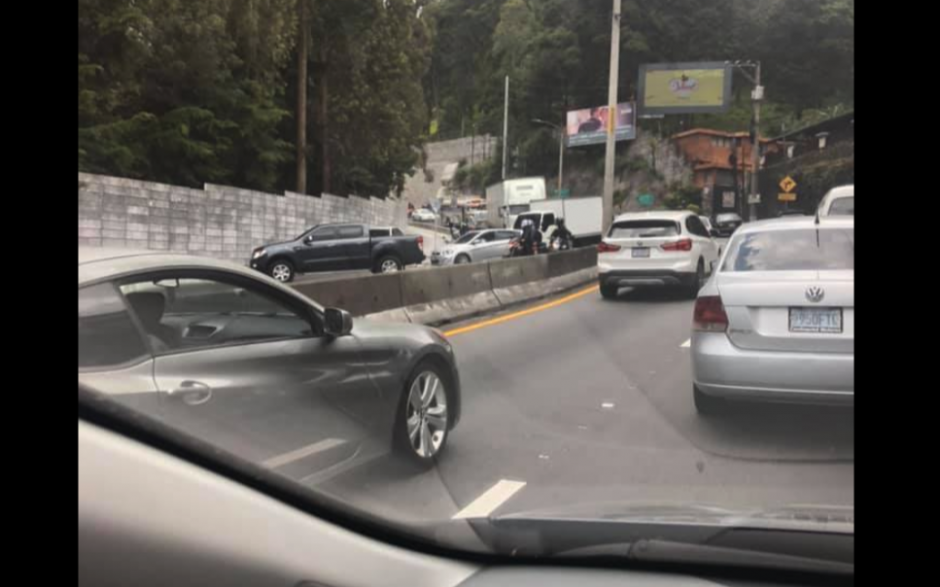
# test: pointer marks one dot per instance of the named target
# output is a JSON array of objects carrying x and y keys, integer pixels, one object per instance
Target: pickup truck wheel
[
  {"x": 281, "y": 270},
  {"x": 388, "y": 265}
]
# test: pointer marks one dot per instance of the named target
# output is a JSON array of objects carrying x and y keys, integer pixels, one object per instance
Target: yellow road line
[{"x": 520, "y": 314}]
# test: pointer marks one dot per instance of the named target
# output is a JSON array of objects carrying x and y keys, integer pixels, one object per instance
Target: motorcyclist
[
  {"x": 563, "y": 235},
  {"x": 529, "y": 234}
]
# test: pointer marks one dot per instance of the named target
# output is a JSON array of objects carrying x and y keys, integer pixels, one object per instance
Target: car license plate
[
  {"x": 641, "y": 252},
  {"x": 826, "y": 320}
]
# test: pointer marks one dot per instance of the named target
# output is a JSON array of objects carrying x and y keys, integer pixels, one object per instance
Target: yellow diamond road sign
[{"x": 787, "y": 184}]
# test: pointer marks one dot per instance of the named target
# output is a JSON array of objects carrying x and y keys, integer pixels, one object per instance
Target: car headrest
[{"x": 149, "y": 306}]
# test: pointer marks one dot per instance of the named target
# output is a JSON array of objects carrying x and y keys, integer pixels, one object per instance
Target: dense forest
[{"x": 194, "y": 91}]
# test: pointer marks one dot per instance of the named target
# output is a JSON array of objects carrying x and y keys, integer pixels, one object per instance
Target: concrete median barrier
[
  {"x": 358, "y": 294},
  {"x": 437, "y": 295}
]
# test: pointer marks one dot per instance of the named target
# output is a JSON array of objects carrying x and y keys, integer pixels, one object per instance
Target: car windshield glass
[
  {"x": 467, "y": 237},
  {"x": 842, "y": 207},
  {"x": 666, "y": 346},
  {"x": 644, "y": 229},
  {"x": 792, "y": 250}
]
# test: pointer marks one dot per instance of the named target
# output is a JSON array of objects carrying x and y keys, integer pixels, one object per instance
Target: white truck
[
  {"x": 507, "y": 199},
  {"x": 582, "y": 217}
]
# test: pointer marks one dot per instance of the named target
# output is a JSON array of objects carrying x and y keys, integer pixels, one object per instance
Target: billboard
[
  {"x": 684, "y": 88},
  {"x": 589, "y": 125}
]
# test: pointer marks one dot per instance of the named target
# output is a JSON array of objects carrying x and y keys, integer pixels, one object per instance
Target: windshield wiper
[{"x": 666, "y": 551}]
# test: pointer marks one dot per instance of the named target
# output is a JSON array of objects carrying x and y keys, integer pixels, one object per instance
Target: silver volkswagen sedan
[
  {"x": 776, "y": 322},
  {"x": 235, "y": 358}
]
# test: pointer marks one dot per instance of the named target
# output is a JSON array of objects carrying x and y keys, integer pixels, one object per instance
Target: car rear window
[
  {"x": 727, "y": 218},
  {"x": 644, "y": 229},
  {"x": 842, "y": 207},
  {"x": 792, "y": 250}
]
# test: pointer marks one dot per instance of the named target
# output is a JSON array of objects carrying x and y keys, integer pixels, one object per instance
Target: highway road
[{"x": 590, "y": 401}]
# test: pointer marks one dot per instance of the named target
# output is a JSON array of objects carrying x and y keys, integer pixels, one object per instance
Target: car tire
[
  {"x": 608, "y": 291},
  {"x": 707, "y": 405},
  {"x": 461, "y": 260},
  {"x": 407, "y": 440},
  {"x": 697, "y": 279},
  {"x": 281, "y": 270},
  {"x": 388, "y": 264}
]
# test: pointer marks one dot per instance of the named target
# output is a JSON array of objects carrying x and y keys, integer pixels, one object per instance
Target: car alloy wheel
[
  {"x": 426, "y": 415},
  {"x": 282, "y": 272},
  {"x": 389, "y": 266}
]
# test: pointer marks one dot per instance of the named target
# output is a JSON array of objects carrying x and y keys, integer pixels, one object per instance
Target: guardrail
[{"x": 436, "y": 295}]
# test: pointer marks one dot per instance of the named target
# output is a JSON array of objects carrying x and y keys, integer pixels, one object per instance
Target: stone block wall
[{"x": 216, "y": 221}]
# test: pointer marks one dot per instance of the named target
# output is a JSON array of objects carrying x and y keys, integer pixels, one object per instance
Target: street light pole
[
  {"x": 505, "y": 126},
  {"x": 561, "y": 155},
  {"x": 756, "y": 96},
  {"x": 608, "y": 197}
]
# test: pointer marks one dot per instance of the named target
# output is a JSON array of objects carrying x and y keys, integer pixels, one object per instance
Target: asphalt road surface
[{"x": 590, "y": 401}]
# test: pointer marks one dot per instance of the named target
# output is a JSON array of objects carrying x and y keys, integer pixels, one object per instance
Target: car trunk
[
  {"x": 641, "y": 241},
  {"x": 773, "y": 310}
]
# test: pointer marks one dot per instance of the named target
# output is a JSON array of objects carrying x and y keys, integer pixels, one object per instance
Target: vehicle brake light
[
  {"x": 421, "y": 243},
  {"x": 709, "y": 315},
  {"x": 680, "y": 245},
  {"x": 607, "y": 248}
]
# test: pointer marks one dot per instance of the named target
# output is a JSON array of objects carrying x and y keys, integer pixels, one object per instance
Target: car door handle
[{"x": 191, "y": 393}]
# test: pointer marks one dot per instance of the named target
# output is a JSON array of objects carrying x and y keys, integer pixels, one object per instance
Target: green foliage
[{"x": 682, "y": 197}]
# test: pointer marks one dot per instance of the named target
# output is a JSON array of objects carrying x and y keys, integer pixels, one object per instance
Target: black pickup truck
[{"x": 335, "y": 247}]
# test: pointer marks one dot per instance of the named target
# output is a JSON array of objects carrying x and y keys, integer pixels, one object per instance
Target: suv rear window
[
  {"x": 842, "y": 207},
  {"x": 792, "y": 250},
  {"x": 644, "y": 229}
]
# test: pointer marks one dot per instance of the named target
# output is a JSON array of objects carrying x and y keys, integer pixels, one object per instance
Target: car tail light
[
  {"x": 421, "y": 243},
  {"x": 607, "y": 248},
  {"x": 680, "y": 245},
  {"x": 709, "y": 315}
]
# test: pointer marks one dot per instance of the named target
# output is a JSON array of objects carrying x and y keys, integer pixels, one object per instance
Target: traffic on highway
[{"x": 466, "y": 293}]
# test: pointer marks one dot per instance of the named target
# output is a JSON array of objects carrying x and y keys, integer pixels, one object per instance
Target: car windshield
[
  {"x": 842, "y": 207},
  {"x": 792, "y": 250},
  {"x": 679, "y": 357},
  {"x": 644, "y": 229}
]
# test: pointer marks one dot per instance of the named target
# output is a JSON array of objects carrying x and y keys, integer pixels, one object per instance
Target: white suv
[
  {"x": 655, "y": 249},
  {"x": 838, "y": 201}
]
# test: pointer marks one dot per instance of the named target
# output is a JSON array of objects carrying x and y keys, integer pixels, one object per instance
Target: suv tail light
[
  {"x": 421, "y": 243},
  {"x": 607, "y": 248},
  {"x": 680, "y": 245},
  {"x": 709, "y": 315}
]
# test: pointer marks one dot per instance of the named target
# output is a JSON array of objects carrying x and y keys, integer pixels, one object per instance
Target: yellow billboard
[{"x": 684, "y": 88}]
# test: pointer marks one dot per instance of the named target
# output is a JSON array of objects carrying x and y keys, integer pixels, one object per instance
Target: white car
[
  {"x": 776, "y": 322},
  {"x": 476, "y": 245},
  {"x": 655, "y": 249},
  {"x": 424, "y": 215},
  {"x": 838, "y": 201}
]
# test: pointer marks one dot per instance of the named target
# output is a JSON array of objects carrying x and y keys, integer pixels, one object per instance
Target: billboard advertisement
[
  {"x": 588, "y": 126},
  {"x": 684, "y": 88}
]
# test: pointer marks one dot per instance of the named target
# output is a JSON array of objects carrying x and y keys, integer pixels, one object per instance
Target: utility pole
[
  {"x": 756, "y": 96},
  {"x": 608, "y": 199},
  {"x": 505, "y": 126},
  {"x": 302, "y": 97}
]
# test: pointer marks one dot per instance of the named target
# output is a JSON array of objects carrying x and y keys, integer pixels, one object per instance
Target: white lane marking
[
  {"x": 491, "y": 499},
  {"x": 686, "y": 344},
  {"x": 302, "y": 453},
  {"x": 607, "y": 405}
]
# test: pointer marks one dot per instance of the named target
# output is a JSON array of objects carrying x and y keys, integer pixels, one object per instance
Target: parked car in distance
[
  {"x": 476, "y": 245},
  {"x": 790, "y": 212},
  {"x": 218, "y": 351},
  {"x": 776, "y": 322},
  {"x": 838, "y": 201},
  {"x": 728, "y": 222},
  {"x": 424, "y": 215},
  {"x": 655, "y": 249},
  {"x": 336, "y": 247}
]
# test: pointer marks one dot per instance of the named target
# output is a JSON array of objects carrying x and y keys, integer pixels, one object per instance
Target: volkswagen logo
[{"x": 815, "y": 294}]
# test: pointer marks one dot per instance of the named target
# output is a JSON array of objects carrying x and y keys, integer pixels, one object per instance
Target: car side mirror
[{"x": 337, "y": 322}]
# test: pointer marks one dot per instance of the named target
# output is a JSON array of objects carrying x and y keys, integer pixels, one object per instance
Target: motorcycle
[
  {"x": 561, "y": 244},
  {"x": 516, "y": 248}
]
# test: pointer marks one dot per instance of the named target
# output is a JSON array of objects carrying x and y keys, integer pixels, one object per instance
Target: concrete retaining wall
[
  {"x": 447, "y": 294},
  {"x": 216, "y": 221}
]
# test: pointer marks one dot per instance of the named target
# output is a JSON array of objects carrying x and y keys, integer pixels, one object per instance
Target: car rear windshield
[
  {"x": 793, "y": 250},
  {"x": 842, "y": 207},
  {"x": 644, "y": 229},
  {"x": 727, "y": 218}
]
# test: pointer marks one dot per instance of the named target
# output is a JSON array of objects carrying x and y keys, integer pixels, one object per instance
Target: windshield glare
[{"x": 667, "y": 348}]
